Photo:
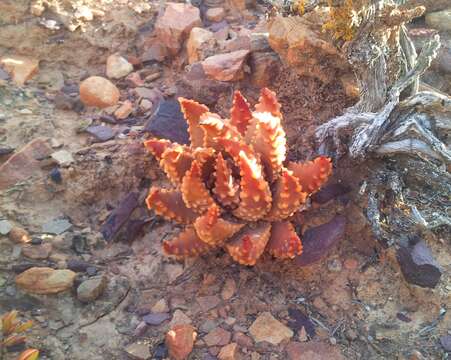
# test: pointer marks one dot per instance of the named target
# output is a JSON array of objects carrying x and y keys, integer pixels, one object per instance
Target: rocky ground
[{"x": 82, "y": 83}]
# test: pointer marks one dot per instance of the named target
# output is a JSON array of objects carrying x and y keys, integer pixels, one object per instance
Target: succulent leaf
[
  {"x": 192, "y": 111},
  {"x": 268, "y": 103},
  {"x": 240, "y": 114},
  {"x": 195, "y": 194},
  {"x": 284, "y": 243},
  {"x": 170, "y": 204},
  {"x": 214, "y": 230},
  {"x": 247, "y": 247},
  {"x": 312, "y": 174},
  {"x": 186, "y": 244}
]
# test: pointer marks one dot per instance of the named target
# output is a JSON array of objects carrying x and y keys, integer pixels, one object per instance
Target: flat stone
[
  {"x": 43, "y": 280},
  {"x": 117, "y": 67},
  {"x": 319, "y": 240},
  {"x": 313, "y": 350},
  {"x": 124, "y": 110},
  {"x": 161, "y": 306},
  {"x": 77, "y": 265},
  {"x": 89, "y": 290},
  {"x": 208, "y": 302},
  {"x": 440, "y": 20},
  {"x": 99, "y": 92},
  {"x": 5, "y": 227},
  {"x": 269, "y": 329},
  {"x": 56, "y": 226},
  {"x": 445, "y": 341},
  {"x": 418, "y": 264},
  {"x": 139, "y": 351},
  {"x": 20, "y": 68},
  {"x": 218, "y": 337},
  {"x": 226, "y": 67},
  {"x": 101, "y": 133},
  {"x": 228, "y": 289},
  {"x": 37, "y": 252},
  {"x": 180, "y": 341},
  {"x": 24, "y": 163},
  {"x": 229, "y": 352},
  {"x": 179, "y": 318},
  {"x": 63, "y": 157},
  {"x": 156, "y": 319},
  {"x": 173, "y": 27},
  {"x": 168, "y": 122}
]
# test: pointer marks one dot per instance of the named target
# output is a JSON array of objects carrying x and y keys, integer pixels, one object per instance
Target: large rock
[
  {"x": 173, "y": 27},
  {"x": 89, "y": 290},
  {"x": 265, "y": 66},
  {"x": 418, "y": 265},
  {"x": 20, "y": 68},
  {"x": 99, "y": 92},
  {"x": 304, "y": 47},
  {"x": 45, "y": 280},
  {"x": 440, "y": 19},
  {"x": 226, "y": 67},
  {"x": 319, "y": 240},
  {"x": 24, "y": 163},
  {"x": 267, "y": 328},
  {"x": 200, "y": 44},
  {"x": 180, "y": 341},
  {"x": 168, "y": 122},
  {"x": 117, "y": 67},
  {"x": 313, "y": 350}
]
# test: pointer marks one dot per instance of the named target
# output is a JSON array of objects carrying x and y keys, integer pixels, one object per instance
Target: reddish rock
[
  {"x": 173, "y": 27},
  {"x": 267, "y": 328},
  {"x": 351, "y": 264},
  {"x": 217, "y": 337},
  {"x": 229, "y": 289},
  {"x": 124, "y": 110},
  {"x": 199, "y": 44},
  {"x": 226, "y": 67},
  {"x": 20, "y": 68},
  {"x": 99, "y": 92},
  {"x": 243, "y": 4},
  {"x": 313, "y": 350},
  {"x": 208, "y": 302},
  {"x": 180, "y": 341},
  {"x": 37, "y": 252},
  {"x": 19, "y": 235},
  {"x": 215, "y": 14},
  {"x": 229, "y": 352},
  {"x": 243, "y": 340},
  {"x": 45, "y": 280},
  {"x": 265, "y": 67},
  {"x": 24, "y": 163}
]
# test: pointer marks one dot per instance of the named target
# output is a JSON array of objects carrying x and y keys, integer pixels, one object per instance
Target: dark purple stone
[
  {"x": 77, "y": 265},
  {"x": 119, "y": 216},
  {"x": 156, "y": 319},
  {"x": 318, "y": 241},
  {"x": 445, "y": 341},
  {"x": 168, "y": 122},
  {"x": 418, "y": 265},
  {"x": 403, "y": 317},
  {"x": 160, "y": 352},
  {"x": 101, "y": 133},
  {"x": 330, "y": 192},
  {"x": 6, "y": 150},
  {"x": 299, "y": 320}
]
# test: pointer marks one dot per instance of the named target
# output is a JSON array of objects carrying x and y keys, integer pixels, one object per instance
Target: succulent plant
[
  {"x": 12, "y": 334},
  {"x": 233, "y": 186}
]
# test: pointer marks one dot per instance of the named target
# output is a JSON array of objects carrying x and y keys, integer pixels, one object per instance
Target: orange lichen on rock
[{"x": 233, "y": 186}]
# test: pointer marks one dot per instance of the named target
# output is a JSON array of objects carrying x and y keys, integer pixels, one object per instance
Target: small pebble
[{"x": 55, "y": 176}]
